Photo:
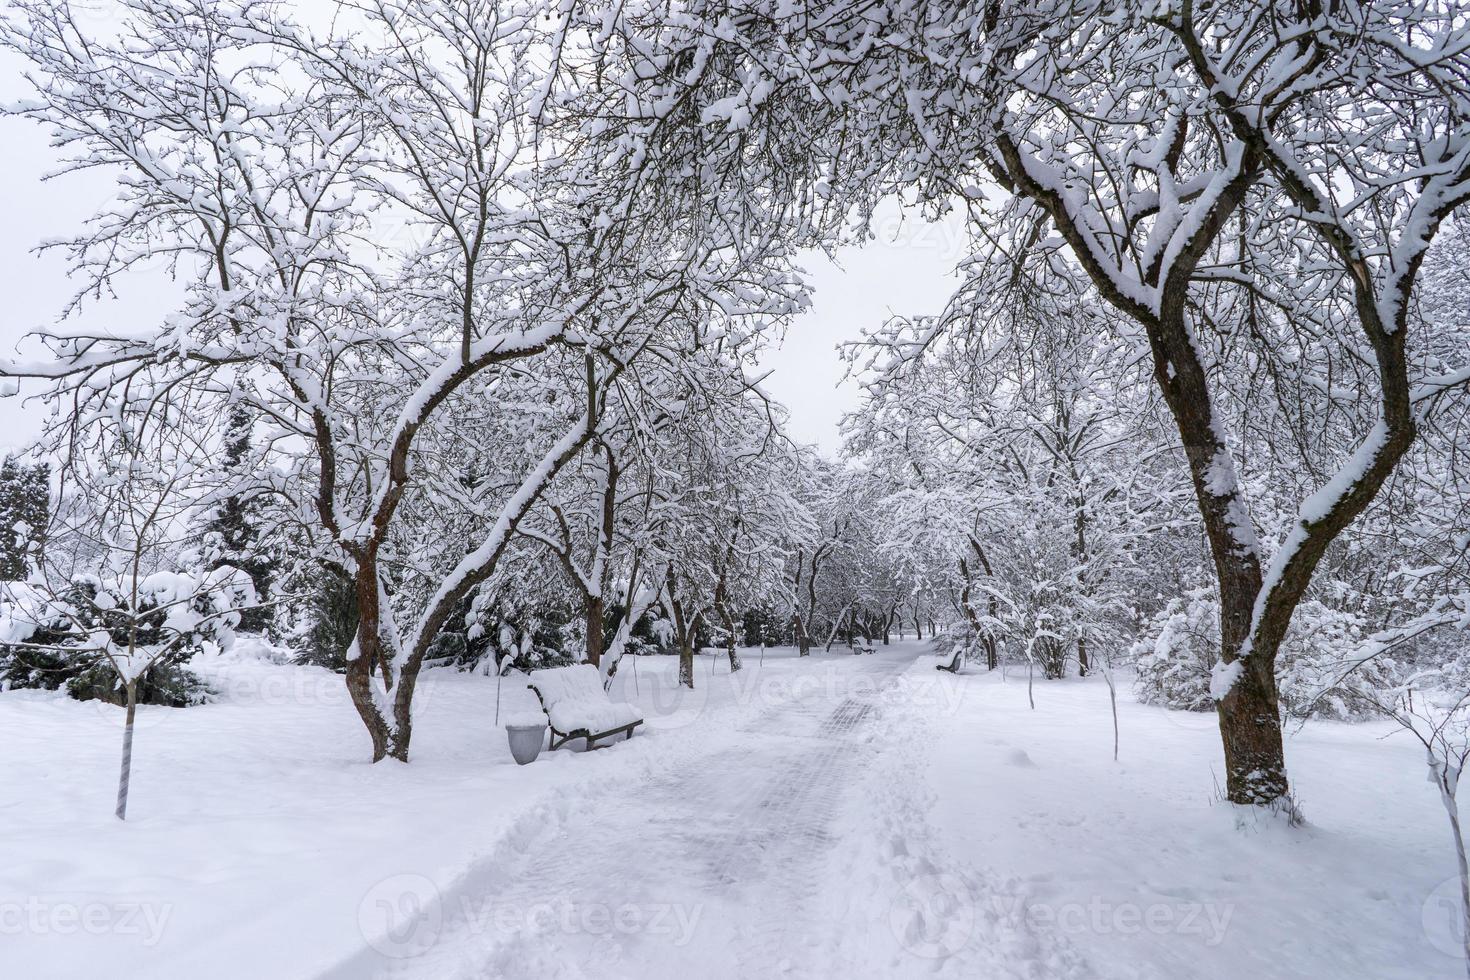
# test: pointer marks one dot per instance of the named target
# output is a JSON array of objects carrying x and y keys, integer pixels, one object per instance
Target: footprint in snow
[{"x": 1020, "y": 759}]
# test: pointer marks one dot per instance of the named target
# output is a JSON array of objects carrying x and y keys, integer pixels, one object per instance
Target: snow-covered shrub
[
  {"x": 1050, "y": 654},
  {"x": 498, "y": 631},
  {"x": 1173, "y": 668},
  {"x": 761, "y": 625},
  {"x": 79, "y": 636},
  {"x": 1312, "y": 666},
  {"x": 638, "y": 646}
]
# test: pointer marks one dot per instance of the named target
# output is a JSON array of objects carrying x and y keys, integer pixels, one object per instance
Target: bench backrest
[{"x": 579, "y": 682}]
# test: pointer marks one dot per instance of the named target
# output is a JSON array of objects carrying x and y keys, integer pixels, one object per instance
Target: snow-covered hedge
[{"x": 1173, "y": 665}]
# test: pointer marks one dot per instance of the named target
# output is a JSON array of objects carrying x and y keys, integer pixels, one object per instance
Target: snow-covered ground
[
  {"x": 1149, "y": 877},
  {"x": 830, "y": 816}
]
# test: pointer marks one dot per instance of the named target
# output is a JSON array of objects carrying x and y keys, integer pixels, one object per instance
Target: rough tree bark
[
  {"x": 728, "y": 622},
  {"x": 595, "y": 625},
  {"x": 365, "y": 658},
  {"x": 686, "y": 625}
]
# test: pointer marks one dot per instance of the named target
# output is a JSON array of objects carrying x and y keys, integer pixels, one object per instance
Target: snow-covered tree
[
  {"x": 1222, "y": 199},
  {"x": 234, "y": 531},
  {"x": 138, "y": 609},
  {"x": 530, "y": 284}
]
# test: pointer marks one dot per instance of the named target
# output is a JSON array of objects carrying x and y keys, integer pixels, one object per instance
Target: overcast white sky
[{"x": 907, "y": 271}]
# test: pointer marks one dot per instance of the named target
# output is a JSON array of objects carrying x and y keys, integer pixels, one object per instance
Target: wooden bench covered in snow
[
  {"x": 576, "y": 705},
  {"x": 955, "y": 657}
]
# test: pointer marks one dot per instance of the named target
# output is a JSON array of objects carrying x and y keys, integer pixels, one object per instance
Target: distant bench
[
  {"x": 956, "y": 657},
  {"x": 576, "y": 705}
]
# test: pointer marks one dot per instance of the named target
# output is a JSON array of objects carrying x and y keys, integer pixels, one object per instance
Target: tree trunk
[
  {"x": 811, "y": 603},
  {"x": 1250, "y": 727},
  {"x": 361, "y": 664},
  {"x": 125, "y": 775},
  {"x": 595, "y": 626},
  {"x": 969, "y": 610},
  {"x": 686, "y": 664},
  {"x": 729, "y": 624},
  {"x": 1080, "y": 547},
  {"x": 836, "y": 628},
  {"x": 987, "y": 641},
  {"x": 685, "y": 629}
]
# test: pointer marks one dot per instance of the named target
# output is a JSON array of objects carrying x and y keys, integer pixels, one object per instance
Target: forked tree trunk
[
  {"x": 987, "y": 641},
  {"x": 803, "y": 641},
  {"x": 685, "y": 628},
  {"x": 1248, "y": 708},
  {"x": 362, "y": 662},
  {"x": 722, "y": 607},
  {"x": 729, "y": 623}
]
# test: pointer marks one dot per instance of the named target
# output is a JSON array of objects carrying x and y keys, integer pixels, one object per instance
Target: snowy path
[
  {"x": 811, "y": 818},
  {"x": 727, "y": 864}
]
